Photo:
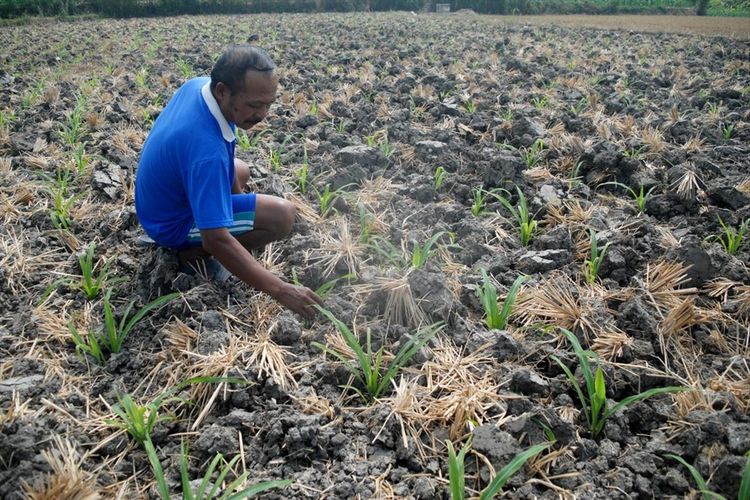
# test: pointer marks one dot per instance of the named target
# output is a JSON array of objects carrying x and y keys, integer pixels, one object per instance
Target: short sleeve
[{"x": 210, "y": 194}]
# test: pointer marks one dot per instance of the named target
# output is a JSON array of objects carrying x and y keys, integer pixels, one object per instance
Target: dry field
[
  {"x": 593, "y": 181},
  {"x": 731, "y": 27}
]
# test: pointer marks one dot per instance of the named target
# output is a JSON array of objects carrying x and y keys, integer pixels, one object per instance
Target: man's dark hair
[{"x": 235, "y": 61}]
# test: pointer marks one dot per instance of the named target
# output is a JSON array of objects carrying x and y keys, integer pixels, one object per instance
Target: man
[{"x": 189, "y": 187}]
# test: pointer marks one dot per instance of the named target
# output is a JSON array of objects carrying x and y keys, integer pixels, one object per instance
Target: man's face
[{"x": 248, "y": 106}]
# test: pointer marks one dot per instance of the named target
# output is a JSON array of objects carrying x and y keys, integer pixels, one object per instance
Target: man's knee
[
  {"x": 288, "y": 213},
  {"x": 241, "y": 176}
]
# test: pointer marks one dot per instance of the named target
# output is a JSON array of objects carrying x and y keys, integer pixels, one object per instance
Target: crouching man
[{"x": 189, "y": 187}]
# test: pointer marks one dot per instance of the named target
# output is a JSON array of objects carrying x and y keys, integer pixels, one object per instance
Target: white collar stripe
[{"x": 213, "y": 107}]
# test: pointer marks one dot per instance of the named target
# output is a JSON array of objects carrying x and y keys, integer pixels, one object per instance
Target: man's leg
[
  {"x": 274, "y": 218},
  {"x": 241, "y": 176}
]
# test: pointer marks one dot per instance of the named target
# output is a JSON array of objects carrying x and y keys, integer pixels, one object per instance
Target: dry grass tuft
[
  {"x": 609, "y": 345},
  {"x": 68, "y": 480},
  {"x": 270, "y": 360},
  {"x": 559, "y": 301},
  {"x": 18, "y": 264},
  {"x": 401, "y": 307},
  {"x": 340, "y": 247},
  {"x": 461, "y": 388}
]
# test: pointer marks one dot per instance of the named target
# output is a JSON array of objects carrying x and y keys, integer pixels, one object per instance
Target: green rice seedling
[
  {"x": 727, "y": 131},
  {"x": 366, "y": 224},
  {"x": 141, "y": 76},
  {"x": 502, "y": 477},
  {"x": 6, "y": 118},
  {"x": 209, "y": 490},
  {"x": 744, "y": 493},
  {"x": 301, "y": 174},
  {"x": 80, "y": 158},
  {"x": 540, "y": 102},
  {"x": 116, "y": 333},
  {"x": 327, "y": 198},
  {"x": 243, "y": 141},
  {"x": 640, "y": 197},
  {"x": 532, "y": 155},
  {"x": 698, "y": 478},
  {"x": 456, "y": 473},
  {"x": 507, "y": 115},
  {"x": 420, "y": 253},
  {"x": 480, "y": 200},
  {"x": 470, "y": 106},
  {"x": 591, "y": 266},
  {"x": 579, "y": 107},
  {"x": 732, "y": 239},
  {"x": 314, "y": 107},
  {"x": 594, "y": 402},
  {"x": 369, "y": 369},
  {"x": 496, "y": 318},
  {"x": 89, "y": 285},
  {"x": 186, "y": 71},
  {"x": 274, "y": 158},
  {"x": 385, "y": 146},
  {"x": 71, "y": 130},
  {"x": 62, "y": 202},
  {"x": 87, "y": 345},
  {"x": 456, "y": 470},
  {"x": 341, "y": 126},
  {"x": 439, "y": 178},
  {"x": 526, "y": 222}
]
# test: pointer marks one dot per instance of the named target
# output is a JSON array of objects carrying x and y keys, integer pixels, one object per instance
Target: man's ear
[{"x": 221, "y": 91}]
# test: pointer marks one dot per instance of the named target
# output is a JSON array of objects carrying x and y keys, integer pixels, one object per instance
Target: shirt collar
[{"x": 213, "y": 107}]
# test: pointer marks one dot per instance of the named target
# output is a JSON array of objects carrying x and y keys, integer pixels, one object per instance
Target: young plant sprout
[
  {"x": 89, "y": 285},
  {"x": 640, "y": 197},
  {"x": 439, "y": 178},
  {"x": 594, "y": 400},
  {"x": 210, "y": 490},
  {"x": 368, "y": 367},
  {"x": 532, "y": 155},
  {"x": 732, "y": 239},
  {"x": 526, "y": 222},
  {"x": 111, "y": 340},
  {"x": 496, "y": 318},
  {"x": 591, "y": 266},
  {"x": 327, "y": 198},
  {"x": 302, "y": 173},
  {"x": 456, "y": 470}
]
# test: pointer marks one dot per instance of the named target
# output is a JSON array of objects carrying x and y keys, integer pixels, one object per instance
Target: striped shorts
[{"x": 243, "y": 207}]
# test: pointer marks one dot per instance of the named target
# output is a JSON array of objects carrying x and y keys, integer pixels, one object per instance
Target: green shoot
[
  {"x": 439, "y": 178},
  {"x": 327, "y": 198},
  {"x": 698, "y": 478},
  {"x": 540, "y": 102},
  {"x": 71, "y": 130},
  {"x": 532, "y": 155},
  {"x": 89, "y": 285},
  {"x": 186, "y": 71},
  {"x": 368, "y": 368},
  {"x": 231, "y": 491},
  {"x": 594, "y": 401},
  {"x": 456, "y": 469},
  {"x": 243, "y": 141},
  {"x": 115, "y": 334},
  {"x": 470, "y": 106},
  {"x": 80, "y": 158},
  {"x": 732, "y": 239},
  {"x": 495, "y": 318},
  {"x": 591, "y": 266},
  {"x": 640, "y": 197},
  {"x": 420, "y": 254},
  {"x": 526, "y": 222},
  {"x": 727, "y": 131},
  {"x": 480, "y": 200},
  {"x": 744, "y": 493},
  {"x": 497, "y": 483},
  {"x": 302, "y": 173},
  {"x": 366, "y": 224},
  {"x": 62, "y": 202},
  {"x": 87, "y": 345}
]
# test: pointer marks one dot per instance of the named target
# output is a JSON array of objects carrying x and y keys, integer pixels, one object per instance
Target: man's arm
[{"x": 238, "y": 261}]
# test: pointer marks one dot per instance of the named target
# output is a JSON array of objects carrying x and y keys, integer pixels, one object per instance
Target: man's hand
[{"x": 298, "y": 299}]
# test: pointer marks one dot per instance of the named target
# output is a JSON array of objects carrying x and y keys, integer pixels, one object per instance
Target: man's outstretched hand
[{"x": 298, "y": 299}]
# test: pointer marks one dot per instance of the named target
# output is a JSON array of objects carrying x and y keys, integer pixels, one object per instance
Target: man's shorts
[{"x": 243, "y": 207}]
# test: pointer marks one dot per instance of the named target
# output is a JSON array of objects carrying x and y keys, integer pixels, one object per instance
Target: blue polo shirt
[{"x": 186, "y": 168}]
